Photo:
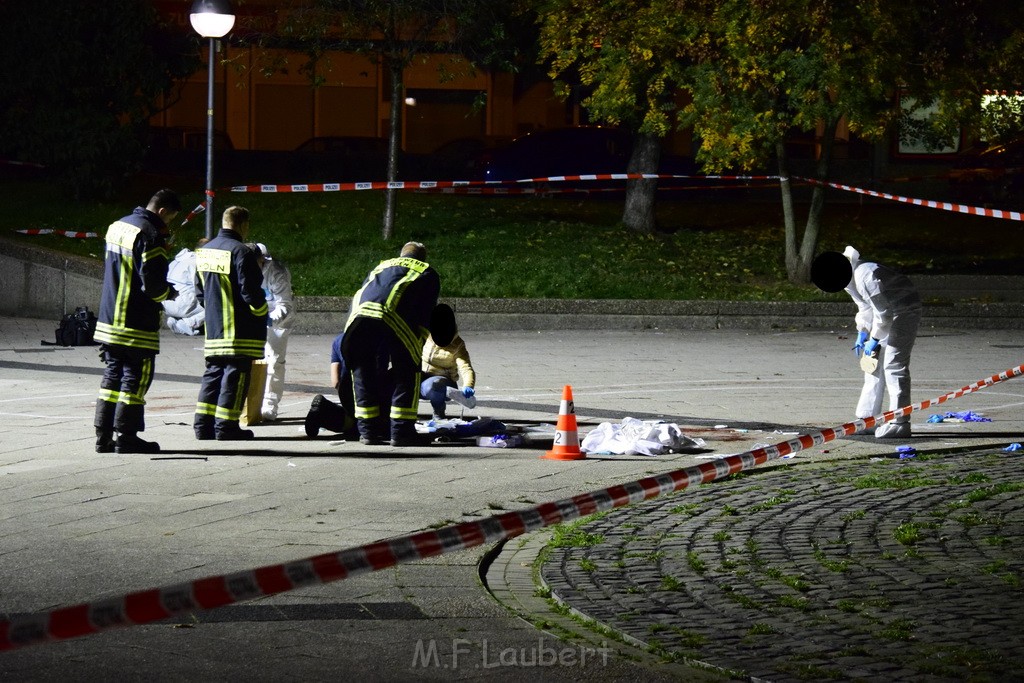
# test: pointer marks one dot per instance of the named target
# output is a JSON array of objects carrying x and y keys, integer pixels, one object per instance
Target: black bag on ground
[{"x": 75, "y": 329}]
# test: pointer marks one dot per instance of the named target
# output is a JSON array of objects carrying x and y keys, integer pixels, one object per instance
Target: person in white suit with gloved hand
[
  {"x": 277, "y": 284},
  {"x": 888, "y": 315}
]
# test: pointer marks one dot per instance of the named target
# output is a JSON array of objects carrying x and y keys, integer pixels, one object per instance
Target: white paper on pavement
[{"x": 638, "y": 437}]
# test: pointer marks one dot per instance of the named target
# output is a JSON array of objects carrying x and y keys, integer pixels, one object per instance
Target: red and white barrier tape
[
  {"x": 496, "y": 187},
  {"x": 439, "y": 184},
  {"x": 64, "y": 233},
  {"x": 12, "y": 162},
  {"x": 450, "y": 187},
  {"x": 195, "y": 212},
  {"x": 216, "y": 591},
  {"x": 944, "y": 206},
  {"x": 576, "y": 190},
  {"x": 493, "y": 187}
]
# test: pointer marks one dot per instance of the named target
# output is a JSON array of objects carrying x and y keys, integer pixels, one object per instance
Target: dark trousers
[
  {"x": 222, "y": 394},
  {"x": 367, "y": 343},
  {"x": 121, "y": 402}
]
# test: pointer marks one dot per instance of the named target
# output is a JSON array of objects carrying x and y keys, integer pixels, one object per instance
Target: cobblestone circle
[{"x": 873, "y": 570}]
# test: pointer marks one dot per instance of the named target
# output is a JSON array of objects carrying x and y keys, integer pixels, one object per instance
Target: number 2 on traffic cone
[{"x": 566, "y": 445}]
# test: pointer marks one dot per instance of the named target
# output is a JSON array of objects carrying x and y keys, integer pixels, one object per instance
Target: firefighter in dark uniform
[
  {"x": 389, "y": 315},
  {"x": 229, "y": 284},
  {"x": 134, "y": 284}
]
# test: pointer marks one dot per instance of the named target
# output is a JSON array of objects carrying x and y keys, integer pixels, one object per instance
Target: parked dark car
[
  {"x": 578, "y": 150},
  {"x": 191, "y": 138},
  {"x": 458, "y": 159},
  {"x": 561, "y": 151},
  {"x": 339, "y": 159},
  {"x": 990, "y": 175},
  {"x": 182, "y": 149}
]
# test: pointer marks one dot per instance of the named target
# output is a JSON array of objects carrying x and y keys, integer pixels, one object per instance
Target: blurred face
[{"x": 168, "y": 216}]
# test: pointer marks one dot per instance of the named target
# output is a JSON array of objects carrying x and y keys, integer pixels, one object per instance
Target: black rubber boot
[
  {"x": 131, "y": 443},
  {"x": 333, "y": 417},
  {"x": 104, "y": 440},
  {"x": 203, "y": 427},
  {"x": 312, "y": 422},
  {"x": 403, "y": 433},
  {"x": 104, "y": 424},
  {"x": 368, "y": 435},
  {"x": 228, "y": 430}
]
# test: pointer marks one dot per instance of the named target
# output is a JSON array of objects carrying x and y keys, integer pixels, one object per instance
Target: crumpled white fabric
[{"x": 637, "y": 437}]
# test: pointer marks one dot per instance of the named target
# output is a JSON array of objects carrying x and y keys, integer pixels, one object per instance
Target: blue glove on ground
[
  {"x": 468, "y": 391},
  {"x": 859, "y": 346},
  {"x": 870, "y": 347}
]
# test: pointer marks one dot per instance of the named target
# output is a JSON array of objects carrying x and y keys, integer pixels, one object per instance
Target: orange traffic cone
[{"x": 567, "y": 440}]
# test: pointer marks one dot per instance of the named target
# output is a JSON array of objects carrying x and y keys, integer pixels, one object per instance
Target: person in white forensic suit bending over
[{"x": 888, "y": 315}]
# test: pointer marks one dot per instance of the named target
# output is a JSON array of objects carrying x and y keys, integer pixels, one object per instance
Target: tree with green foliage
[
  {"x": 760, "y": 71},
  {"x": 80, "y": 82},
  {"x": 394, "y": 33},
  {"x": 627, "y": 55},
  {"x": 966, "y": 50},
  {"x": 793, "y": 66},
  {"x": 764, "y": 70}
]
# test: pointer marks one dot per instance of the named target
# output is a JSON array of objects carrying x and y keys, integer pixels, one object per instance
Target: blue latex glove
[
  {"x": 871, "y": 347},
  {"x": 862, "y": 337},
  {"x": 468, "y": 391}
]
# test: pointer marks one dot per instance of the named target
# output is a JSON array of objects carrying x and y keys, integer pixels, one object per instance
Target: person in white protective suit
[
  {"x": 888, "y": 315},
  {"x": 184, "y": 313},
  {"x": 277, "y": 284}
]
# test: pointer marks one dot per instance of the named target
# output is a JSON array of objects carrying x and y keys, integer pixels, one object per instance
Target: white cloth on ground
[{"x": 637, "y": 437}]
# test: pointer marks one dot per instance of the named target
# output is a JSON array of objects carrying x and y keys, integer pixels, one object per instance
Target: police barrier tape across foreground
[{"x": 157, "y": 604}]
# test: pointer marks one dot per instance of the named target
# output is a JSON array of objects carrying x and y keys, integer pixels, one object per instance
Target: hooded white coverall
[
  {"x": 277, "y": 283},
  {"x": 185, "y": 315},
  {"x": 889, "y": 310}
]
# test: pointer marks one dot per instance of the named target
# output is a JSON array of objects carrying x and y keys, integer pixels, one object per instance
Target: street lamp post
[{"x": 211, "y": 19}]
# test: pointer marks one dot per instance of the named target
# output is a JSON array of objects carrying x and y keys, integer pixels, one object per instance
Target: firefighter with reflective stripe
[
  {"x": 390, "y": 315},
  {"x": 134, "y": 285},
  {"x": 229, "y": 284}
]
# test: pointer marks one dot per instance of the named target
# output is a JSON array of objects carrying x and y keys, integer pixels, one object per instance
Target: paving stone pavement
[
  {"x": 883, "y": 569},
  {"x": 78, "y": 527}
]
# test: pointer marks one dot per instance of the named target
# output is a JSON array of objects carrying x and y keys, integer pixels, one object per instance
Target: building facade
[{"x": 264, "y": 98}]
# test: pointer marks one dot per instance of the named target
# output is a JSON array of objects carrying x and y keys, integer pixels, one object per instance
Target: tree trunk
[
  {"x": 788, "y": 217},
  {"x": 638, "y": 214},
  {"x": 802, "y": 273},
  {"x": 798, "y": 262},
  {"x": 394, "y": 146}
]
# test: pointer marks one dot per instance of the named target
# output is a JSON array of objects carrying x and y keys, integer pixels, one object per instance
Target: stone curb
[{"x": 45, "y": 283}]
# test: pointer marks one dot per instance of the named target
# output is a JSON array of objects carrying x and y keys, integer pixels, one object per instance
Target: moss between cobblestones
[
  {"x": 884, "y": 551},
  {"x": 570, "y": 535}
]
